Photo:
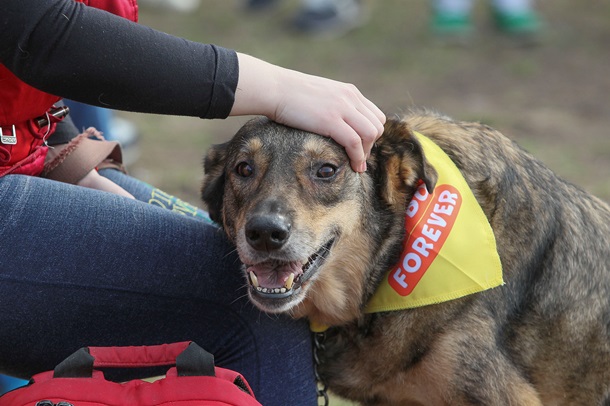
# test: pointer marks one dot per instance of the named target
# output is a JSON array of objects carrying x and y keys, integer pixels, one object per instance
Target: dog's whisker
[
  {"x": 228, "y": 254},
  {"x": 245, "y": 295}
]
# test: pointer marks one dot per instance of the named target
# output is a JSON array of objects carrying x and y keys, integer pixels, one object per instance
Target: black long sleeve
[{"x": 70, "y": 50}]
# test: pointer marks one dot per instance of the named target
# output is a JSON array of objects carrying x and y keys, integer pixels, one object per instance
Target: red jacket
[{"x": 21, "y": 138}]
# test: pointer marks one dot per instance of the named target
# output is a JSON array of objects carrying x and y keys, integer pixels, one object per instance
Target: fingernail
[{"x": 363, "y": 167}]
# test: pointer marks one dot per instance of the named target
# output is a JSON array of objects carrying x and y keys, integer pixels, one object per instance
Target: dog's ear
[
  {"x": 401, "y": 164},
  {"x": 212, "y": 190},
  {"x": 426, "y": 173}
]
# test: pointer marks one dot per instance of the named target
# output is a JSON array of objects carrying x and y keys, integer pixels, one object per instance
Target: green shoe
[
  {"x": 448, "y": 25},
  {"x": 518, "y": 24}
]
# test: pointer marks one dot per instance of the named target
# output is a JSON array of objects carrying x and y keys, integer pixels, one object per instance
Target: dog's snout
[{"x": 267, "y": 232}]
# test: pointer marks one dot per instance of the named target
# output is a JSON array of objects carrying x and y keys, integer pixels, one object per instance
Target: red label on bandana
[{"x": 428, "y": 222}]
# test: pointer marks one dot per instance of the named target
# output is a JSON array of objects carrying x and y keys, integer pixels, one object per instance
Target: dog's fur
[{"x": 542, "y": 338}]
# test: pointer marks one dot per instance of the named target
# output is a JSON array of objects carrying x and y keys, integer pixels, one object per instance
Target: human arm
[
  {"x": 67, "y": 49},
  {"x": 94, "y": 180},
  {"x": 311, "y": 103},
  {"x": 67, "y": 138}
]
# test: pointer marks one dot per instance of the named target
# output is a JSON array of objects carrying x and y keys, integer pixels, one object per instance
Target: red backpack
[{"x": 194, "y": 380}]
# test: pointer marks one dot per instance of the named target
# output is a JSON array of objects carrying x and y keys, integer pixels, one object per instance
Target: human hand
[
  {"x": 310, "y": 103},
  {"x": 94, "y": 180}
]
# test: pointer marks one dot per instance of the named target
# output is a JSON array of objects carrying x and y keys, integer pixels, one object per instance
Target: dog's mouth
[{"x": 276, "y": 279}]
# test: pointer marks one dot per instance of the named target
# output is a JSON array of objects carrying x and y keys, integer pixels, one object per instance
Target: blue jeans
[
  {"x": 85, "y": 116},
  {"x": 80, "y": 267}
]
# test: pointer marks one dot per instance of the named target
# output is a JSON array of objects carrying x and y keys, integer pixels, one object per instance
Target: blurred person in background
[
  {"x": 180, "y": 6},
  {"x": 326, "y": 18},
  {"x": 517, "y": 18}
]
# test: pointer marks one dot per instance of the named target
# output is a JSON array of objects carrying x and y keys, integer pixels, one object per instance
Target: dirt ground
[{"x": 553, "y": 98}]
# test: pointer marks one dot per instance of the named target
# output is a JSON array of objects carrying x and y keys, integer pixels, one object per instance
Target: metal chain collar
[{"x": 318, "y": 348}]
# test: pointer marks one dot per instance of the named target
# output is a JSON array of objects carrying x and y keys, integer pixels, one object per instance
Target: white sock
[
  {"x": 457, "y": 7},
  {"x": 462, "y": 7}
]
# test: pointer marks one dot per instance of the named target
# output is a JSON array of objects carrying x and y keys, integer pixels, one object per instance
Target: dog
[{"x": 317, "y": 238}]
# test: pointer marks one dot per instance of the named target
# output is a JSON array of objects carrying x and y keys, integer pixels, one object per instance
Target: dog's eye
[
  {"x": 244, "y": 169},
  {"x": 326, "y": 171}
]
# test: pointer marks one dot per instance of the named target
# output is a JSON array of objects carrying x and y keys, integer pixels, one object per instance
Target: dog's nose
[{"x": 268, "y": 232}]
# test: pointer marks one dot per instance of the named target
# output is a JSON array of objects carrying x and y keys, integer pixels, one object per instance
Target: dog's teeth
[
  {"x": 289, "y": 282},
  {"x": 254, "y": 279},
  {"x": 286, "y": 288}
]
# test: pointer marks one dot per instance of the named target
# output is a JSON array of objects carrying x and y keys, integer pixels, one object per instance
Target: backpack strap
[{"x": 189, "y": 359}]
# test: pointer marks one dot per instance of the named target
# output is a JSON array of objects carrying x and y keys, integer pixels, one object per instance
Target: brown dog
[{"x": 317, "y": 238}]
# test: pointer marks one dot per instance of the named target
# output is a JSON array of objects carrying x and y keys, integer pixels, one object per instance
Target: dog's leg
[{"x": 481, "y": 372}]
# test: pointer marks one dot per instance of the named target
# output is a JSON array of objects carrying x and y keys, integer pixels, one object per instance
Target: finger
[
  {"x": 368, "y": 129},
  {"x": 365, "y": 106},
  {"x": 368, "y": 134},
  {"x": 345, "y": 135},
  {"x": 374, "y": 114},
  {"x": 364, "y": 117}
]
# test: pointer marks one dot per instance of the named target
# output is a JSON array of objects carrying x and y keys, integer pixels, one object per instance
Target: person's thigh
[{"x": 81, "y": 267}]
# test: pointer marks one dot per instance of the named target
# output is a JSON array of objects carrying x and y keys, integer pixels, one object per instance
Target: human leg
[
  {"x": 516, "y": 17},
  {"x": 452, "y": 18},
  {"x": 82, "y": 267},
  {"x": 146, "y": 193},
  {"x": 331, "y": 18},
  {"x": 513, "y": 6},
  {"x": 456, "y": 7},
  {"x": 85, "y": 116}
]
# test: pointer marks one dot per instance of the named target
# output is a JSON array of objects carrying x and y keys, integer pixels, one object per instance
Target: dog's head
[{"x": 314, "y": 236}]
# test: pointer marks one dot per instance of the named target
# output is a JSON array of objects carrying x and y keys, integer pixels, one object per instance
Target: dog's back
[{"x": 554, "y": 242}]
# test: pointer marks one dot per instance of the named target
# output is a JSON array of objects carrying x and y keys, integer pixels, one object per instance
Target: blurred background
[
  {"x": 550, "y": 91},
  {"x": 552, "y": 95}
]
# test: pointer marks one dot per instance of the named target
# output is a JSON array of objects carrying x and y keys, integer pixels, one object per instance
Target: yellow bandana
[{"x": 449, "y": 249}]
